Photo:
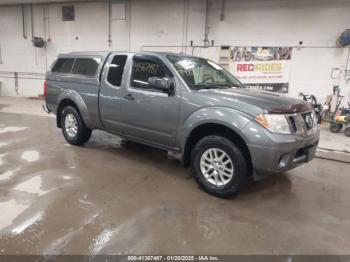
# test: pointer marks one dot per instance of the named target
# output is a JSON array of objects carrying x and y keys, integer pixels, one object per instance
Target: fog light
[{"x": 284, "y": 160}]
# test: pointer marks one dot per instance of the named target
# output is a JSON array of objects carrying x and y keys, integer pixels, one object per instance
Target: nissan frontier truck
[{"x": 228, "y": 134}]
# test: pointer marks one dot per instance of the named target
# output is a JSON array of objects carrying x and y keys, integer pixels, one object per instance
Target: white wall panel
[
  {"x": 279, "y": 23},
  {"x": 156, "y": 22},
  {"x": 119, "y": 26},
  {"x": 311, "y": 71}
]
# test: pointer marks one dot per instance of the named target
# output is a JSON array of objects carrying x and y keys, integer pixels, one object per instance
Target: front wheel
[
  {"x": 73, "y": 127},
  {"x": 219, "y": 167}
]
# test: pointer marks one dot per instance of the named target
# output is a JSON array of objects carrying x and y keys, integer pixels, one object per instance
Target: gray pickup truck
[{"x": 229, "y": 135}]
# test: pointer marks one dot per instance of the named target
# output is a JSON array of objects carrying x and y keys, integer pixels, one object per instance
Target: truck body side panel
[
  {"x": 111, "y": 96},
  {"x": 80, "y": 89},
  {"x": 150, "y": 115}
]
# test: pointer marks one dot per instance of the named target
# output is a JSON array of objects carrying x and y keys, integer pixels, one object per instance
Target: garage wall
[
  {"x": 317, "y": 23},
  {"x": 171, "y": 25}
]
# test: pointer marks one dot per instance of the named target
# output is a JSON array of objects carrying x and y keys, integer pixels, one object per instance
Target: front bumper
[{"x": 274, "y": 153}]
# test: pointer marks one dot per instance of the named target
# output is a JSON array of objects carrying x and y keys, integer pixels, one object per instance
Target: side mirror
[{"x": 167, "y": 85}]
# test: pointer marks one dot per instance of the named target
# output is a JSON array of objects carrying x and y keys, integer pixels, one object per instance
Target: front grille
[
  {"x": 301, "y": 123},
  {"x": 292, "y": 124}
]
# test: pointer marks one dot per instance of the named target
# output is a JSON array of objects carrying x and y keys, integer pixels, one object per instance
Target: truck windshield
[{"x": 200, "y": 73}]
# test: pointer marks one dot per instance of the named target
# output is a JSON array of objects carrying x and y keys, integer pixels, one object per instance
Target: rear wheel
[
  {"x": 73, "y": 127},
  {"x": 219, "y": 167},
  {"x": 347, "y": 131},
  {"x": 335, "y": 127}
]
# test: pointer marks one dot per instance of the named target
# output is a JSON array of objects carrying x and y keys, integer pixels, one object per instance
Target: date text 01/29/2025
[{"x": 172, "y": 258}]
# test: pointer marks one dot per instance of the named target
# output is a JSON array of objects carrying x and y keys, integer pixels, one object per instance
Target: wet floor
[{"x": 115, "y": 197}]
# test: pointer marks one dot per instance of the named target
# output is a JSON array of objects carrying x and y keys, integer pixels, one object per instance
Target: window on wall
[
  {"x": 116, "y": 69},
  {"x": 144, "y": 68},
  {"x": 63, "y": 65},
  {"x": 86, "y": 66},
  {"x": 68, "y": 13}
]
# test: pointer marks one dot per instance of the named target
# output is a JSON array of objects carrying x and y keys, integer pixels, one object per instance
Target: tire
[
  {"x": 239, "y": 179},
  {"x": 82, "y": 134},
  {"x": 335, "y": 128},
  {"x": 347, "y": 131}
]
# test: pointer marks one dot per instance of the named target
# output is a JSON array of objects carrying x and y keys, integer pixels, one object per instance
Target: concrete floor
[{"x": 111, "y": 197}]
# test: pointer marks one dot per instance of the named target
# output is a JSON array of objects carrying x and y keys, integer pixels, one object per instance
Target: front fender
[
  {"x": 231, "y": 118},
  {"x": 74, "y": 96}
]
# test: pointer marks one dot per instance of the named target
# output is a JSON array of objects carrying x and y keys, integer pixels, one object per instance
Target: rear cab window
[
  {"x": 63, "y": 65},
  {"x": 83, "y": 66},
  {"x": 86, "y": 66}
]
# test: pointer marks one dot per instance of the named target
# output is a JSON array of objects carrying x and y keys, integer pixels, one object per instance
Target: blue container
[{"x": 344, "y": 38}]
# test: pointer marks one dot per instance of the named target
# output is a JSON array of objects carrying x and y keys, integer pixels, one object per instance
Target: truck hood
[{"x": 253, "y": 101}]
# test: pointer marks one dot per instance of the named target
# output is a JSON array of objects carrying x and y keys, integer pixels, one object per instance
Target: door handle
[{"x": 129, "y": 97}]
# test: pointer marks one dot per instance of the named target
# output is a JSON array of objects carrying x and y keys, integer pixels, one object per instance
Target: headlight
[{"x": 275, "y": 123}]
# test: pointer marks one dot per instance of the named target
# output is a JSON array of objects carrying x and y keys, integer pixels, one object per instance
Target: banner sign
[{"x": 265, "y": 68}]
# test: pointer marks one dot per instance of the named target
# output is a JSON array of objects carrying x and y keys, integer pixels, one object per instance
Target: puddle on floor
[
  {"x": 55, "y": 247},
  {"x": 10, "y": 210},
  {"x": 32, "y": 186},
  {"x": 28, "y": 223},
  {"x": 100, "y": 241},
  {"x": 3, "y": 144},
  {"x": 30, "y": 155},
  {"x": 8, "y": 174},
  {"x": 12, "y": 129},
  {"x": 14, "y": 211},
  {"x": 1, "y": 158}
]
